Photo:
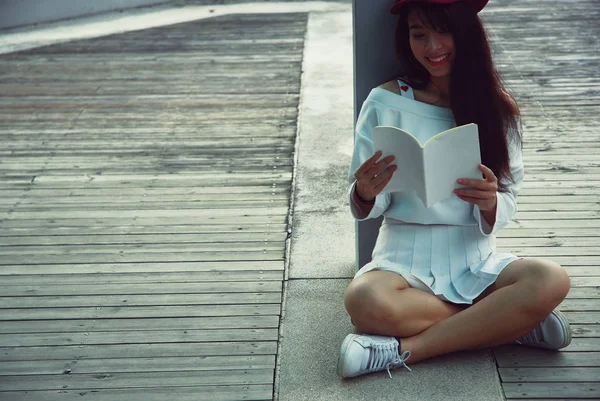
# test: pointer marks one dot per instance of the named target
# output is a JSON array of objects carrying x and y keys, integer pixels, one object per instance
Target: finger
[
  {"x": 474, "y": 201},
  {"x": 386, "y": 175},
  {"x": 474, "y": 193},
  {"x": 379, "y": 187},
  {"x": 488, "y": 173},
  {"x": 482, "y": 185},
  {"x": 379, "y": 167},
  {"x": 367, "y": 164}
]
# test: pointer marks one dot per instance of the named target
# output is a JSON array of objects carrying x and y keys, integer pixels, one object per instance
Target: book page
[
  {"x": 409, "y": 159},
  {"x": 451, "y": 155}
]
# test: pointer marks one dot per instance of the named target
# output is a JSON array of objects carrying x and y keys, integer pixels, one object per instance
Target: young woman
[{"x": 435, "y": 283}]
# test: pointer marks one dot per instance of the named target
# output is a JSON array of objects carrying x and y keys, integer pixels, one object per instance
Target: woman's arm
[
  {"x": 363, "y": 157},
  {"x": 492, "y": 221}
]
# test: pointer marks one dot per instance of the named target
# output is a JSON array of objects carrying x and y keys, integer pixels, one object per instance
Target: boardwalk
[
  {"x": 145, "y": 181},
  {"x": 550, "y": 58}
]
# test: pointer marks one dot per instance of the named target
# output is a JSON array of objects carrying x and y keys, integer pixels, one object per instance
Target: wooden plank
[
  {"x": 152, "y": 180},
  {"x": 109, "y": 221},
  {"x": 123, "y": 272},
  {"x": 591, "y": 304},
  {"x": 78, "y": 352},
  {"x": 134, "y": 117},
  {"x": 551, "y": 251},
  {"x": 583, "y": 292},
  {"x": 591, "y": 281},
  {"x": 227, "y": 275},
  {"x": 582, "y": 271},
  {"x": 135, "y": 205},
  {"x": 584, "y": 344},
  {"x": 125, "y": 312},
  {"x": 558, "y": 223},
  {"x": 586, "y": 330},
  {"x": 583, "y": 317},
  {"x": 560, "y": 233},
  {"x": 514, "y": 356},
  {"x": 555, "y": 242},
  {"x": 266, "y": 228},
  {"x": 179, "y": 160},
  {"x": 116, "y": 272},
  {"x": 58, "y": 287},
  {"x": 555, "y": 215},
  {"x": 28, "y": 242},
  {"x": 125, "y": 257},
  {"x": 155, "y": 142},
  {"x": 99, "y": 102},
  {"x": 554, "y": 374},
  {"x": 253, "y": 246},
  {"x": 165, "y": 299},
  {"x": 147, "y": 380},
  {"x": 260, "y": 392},
  {"x": 183, "y": 131},
  {"x": 145, "y": 191},
  {"x": 149, "y": 337},
  {"x": 131, "y": 72},
  {"x": 130, "y": 365},
  {"x": 138, "y": 325},
  {"x": 585, "y": 390},
  {"x": 58, "y": 196},
  {"x": 566, "y": 207}
]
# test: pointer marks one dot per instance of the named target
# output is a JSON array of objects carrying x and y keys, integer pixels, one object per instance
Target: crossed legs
[{"x": 525, "y": 292}]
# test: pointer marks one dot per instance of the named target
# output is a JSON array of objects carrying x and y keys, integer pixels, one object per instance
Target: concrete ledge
[
  {"x": 323, "y": 240},
  {"x": 323, "y": 245},
  {"x": 15, "y": 13},
  {"x": 313, "y": 329}
]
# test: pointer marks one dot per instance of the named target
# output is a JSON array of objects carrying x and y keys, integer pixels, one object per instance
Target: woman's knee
[
  {"x": 547, "y": 285},
  {"x": 364, "y": 293},
  {"x": 368, "y": 297}
]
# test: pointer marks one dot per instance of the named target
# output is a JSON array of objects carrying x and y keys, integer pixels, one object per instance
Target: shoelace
[
  {"x": 530, "y": 338},
  {"x": 386, "y": 356},
  {"x": 399, "y": 361}
]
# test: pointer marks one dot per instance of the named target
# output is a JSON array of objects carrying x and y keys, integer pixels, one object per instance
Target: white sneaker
[
  {"x": 362, "y": 354},
  {"x": 553, "y": 332}
]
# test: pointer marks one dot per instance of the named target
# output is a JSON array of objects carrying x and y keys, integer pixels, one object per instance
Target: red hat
[{"x": 477, "y": 4}]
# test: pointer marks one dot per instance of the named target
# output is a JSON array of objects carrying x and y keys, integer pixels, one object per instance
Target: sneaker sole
[
  {"x": 349, "y": 338},
  {"x": 565, "y": 326}
]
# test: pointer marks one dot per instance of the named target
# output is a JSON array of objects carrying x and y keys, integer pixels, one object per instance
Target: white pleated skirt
[{"x": 455, "y": 263}]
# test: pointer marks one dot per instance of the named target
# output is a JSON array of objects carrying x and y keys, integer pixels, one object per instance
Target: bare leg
[
  {"x": 524, "y": 294},
  {"x": 383, "y": 303}
]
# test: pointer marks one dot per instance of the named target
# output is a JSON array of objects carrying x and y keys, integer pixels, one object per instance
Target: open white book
[{"x": 431, "y": 169}]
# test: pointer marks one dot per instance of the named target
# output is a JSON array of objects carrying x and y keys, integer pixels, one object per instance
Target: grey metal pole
[{"x": 374, "y": 63}]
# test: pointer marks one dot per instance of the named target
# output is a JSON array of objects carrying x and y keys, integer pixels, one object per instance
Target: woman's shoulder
[
  {"x": 404, "y": 97},
  {"x": 391, "y": 86}
]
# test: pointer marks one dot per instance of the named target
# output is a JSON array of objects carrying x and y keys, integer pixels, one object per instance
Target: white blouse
[{"x": 424, "y": 120}]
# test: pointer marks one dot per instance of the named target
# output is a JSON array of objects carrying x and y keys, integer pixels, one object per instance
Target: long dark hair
[{"x": 477, "y": 94}]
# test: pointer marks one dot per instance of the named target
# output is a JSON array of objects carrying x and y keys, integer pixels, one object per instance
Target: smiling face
[{"x": 433, "y": 49}]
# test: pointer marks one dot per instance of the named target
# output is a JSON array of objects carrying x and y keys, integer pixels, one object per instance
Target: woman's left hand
[{"x": 481, "y": 192}]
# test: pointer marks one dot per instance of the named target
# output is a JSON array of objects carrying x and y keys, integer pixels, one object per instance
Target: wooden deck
[
  {"x": 550, "y": 57},
  {"x": 145, "y": 181}
]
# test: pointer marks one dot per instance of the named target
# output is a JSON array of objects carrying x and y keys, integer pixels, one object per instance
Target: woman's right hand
[{"x": 372, "y": 176}]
